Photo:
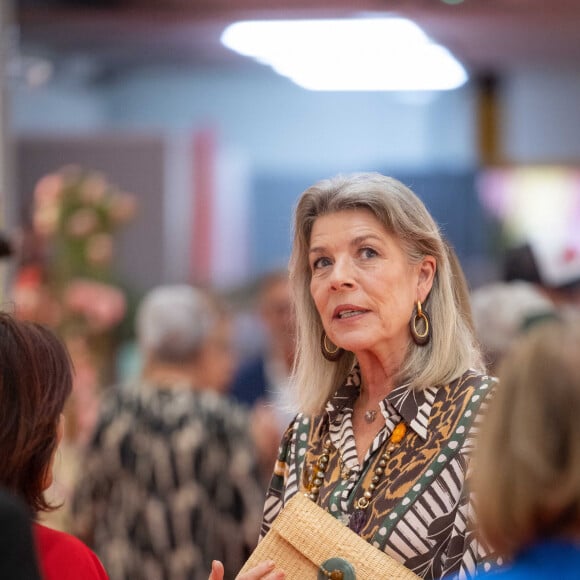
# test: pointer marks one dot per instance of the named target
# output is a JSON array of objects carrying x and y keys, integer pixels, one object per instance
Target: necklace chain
[{"x": 317, "y": 477}]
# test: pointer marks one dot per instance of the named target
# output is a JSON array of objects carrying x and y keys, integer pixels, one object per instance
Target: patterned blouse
[
  {"x": 420, "y": 512},
  {"x": 169, "y": 484}
]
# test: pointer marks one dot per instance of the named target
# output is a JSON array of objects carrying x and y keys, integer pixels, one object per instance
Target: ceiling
[{"x": 488, "y": 36}]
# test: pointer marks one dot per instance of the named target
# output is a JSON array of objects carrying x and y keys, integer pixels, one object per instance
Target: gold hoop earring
[
  {"x": 330, "y": 354},
  {"x": 420, "y": 338}
]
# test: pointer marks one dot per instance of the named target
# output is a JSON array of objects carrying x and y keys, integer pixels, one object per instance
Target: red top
[{"x": 64, "y": 557}]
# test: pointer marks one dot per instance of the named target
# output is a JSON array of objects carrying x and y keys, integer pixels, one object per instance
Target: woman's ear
[{"x": 427, "y": 269}]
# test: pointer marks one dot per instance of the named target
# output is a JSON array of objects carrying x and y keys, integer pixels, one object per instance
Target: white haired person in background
[
  {"x": 170, "y": 481},
  {"x": 504, "y": 311},
  {"x": 527, "y": 462}
]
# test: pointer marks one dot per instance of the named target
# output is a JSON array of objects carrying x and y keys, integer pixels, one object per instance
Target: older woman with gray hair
[
  {"x": 389, "y": 376},
  {"x": 170, "y": 480}
]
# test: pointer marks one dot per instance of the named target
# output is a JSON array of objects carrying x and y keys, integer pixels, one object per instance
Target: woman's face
[{"x": 362, "y": 282}]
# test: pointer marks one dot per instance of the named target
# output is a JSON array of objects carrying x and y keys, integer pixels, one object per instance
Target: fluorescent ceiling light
[{"x": 365, "y": 54}]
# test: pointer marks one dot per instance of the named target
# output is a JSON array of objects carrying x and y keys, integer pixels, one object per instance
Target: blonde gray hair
[
  {"x": 452, "y": 349},
  {"x": 526, "y": 477}
]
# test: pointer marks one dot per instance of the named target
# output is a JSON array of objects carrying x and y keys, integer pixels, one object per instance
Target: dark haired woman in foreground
[{"x": 35, "y": 382}]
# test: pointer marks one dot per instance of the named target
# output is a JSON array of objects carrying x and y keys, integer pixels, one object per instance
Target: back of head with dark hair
[{"x": 35, "y": 382}]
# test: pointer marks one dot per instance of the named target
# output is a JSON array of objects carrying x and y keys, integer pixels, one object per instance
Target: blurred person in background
[
  {"x": 504, "y": 311},
  {"x": 263, "y": 381},
  {"x": 170, "y": 480},
  {"x": 526, "y": 476},
  {"x": 265, "y": 377},
  {"x": 541, "y": 281},
  {"x": 35, "y": 382},
  {"x": 551, "y": 265}
]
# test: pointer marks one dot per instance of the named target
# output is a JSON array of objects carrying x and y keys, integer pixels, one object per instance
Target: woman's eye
[
  {"x": 320, "y": 263},
  {"x": 368, "y": 253}
]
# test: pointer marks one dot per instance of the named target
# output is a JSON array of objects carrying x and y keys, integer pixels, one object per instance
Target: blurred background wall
[{"x": 218, "y": 148}]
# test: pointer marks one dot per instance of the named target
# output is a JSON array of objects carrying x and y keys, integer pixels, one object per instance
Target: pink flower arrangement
[{"x": 76, "y": 215}]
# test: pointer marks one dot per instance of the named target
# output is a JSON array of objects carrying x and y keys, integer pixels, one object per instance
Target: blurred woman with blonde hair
[{"x": 527, "y": 463}]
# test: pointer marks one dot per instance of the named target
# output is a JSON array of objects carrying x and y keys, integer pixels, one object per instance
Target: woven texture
[{"x": 304, "y": 536}]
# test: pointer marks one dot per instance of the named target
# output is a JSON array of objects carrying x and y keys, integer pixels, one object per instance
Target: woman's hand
[{"x": 263, "y": 571}]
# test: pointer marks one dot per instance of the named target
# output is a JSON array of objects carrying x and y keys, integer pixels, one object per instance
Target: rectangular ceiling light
[{"x": 362, "y": 54}]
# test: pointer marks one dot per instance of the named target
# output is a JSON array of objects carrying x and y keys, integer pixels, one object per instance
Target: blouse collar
[{"x": 414, "y": 406}]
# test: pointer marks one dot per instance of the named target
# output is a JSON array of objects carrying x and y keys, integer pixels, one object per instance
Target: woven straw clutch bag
[{"x": 308, "y": 543}]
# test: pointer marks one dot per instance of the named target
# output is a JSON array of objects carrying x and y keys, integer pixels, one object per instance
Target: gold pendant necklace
[
  {"x": 316, "y": 479},
  {"x": 370, "y": 415}
]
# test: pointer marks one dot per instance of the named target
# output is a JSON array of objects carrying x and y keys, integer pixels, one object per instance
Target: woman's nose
[{"x": 342, "y": 276}]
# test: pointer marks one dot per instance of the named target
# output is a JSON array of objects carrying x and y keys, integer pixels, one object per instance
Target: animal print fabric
[{"x": 169, "y": 483}]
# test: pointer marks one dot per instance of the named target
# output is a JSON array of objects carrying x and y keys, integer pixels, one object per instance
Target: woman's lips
[{"x": 343, "y": 312}]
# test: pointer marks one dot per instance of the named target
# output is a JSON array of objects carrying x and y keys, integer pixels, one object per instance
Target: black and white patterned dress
[{"x": 169, "y": 483}]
